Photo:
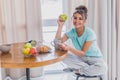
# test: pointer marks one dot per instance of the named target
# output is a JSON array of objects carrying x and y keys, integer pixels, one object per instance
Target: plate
[{"x": 44, "y": 49}]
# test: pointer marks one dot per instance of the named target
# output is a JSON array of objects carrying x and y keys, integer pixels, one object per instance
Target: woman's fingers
[{"x": 62, "y": 45}]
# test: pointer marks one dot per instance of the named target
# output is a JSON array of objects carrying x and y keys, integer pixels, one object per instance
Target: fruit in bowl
[
  {"x": 33, "y": 51},
  {"x": 32, "y": 42},
  {"x": 27, "y": 45},
  {"x": 26, "y": 51},
  {"x": 29, "y": 49},
  {"x": 5, "y": 48}
]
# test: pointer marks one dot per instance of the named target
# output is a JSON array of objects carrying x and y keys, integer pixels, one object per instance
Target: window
[{"x": 51, "y": 9}]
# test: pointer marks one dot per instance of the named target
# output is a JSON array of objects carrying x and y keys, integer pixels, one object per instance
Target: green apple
[
  {"x": 33, "y": 42},
  {"x": 63, "y": 17},
  {"x": 27, "y": 45},
  {"x": 26, "y": 51}
]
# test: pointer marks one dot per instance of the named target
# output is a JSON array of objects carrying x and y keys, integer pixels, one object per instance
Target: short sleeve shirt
[{"x": 88, "y": 35}]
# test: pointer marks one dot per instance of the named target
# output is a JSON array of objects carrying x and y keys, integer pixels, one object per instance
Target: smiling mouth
[{"x": 77, "y": 24}]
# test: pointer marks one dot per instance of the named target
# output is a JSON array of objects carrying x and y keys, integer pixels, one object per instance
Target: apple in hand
[
  {"x": 33, "y": 51},
  {"x": 27, "y": 45},
  {"x": 63, "y": 17},
  {"x": 26, "y": 51}
]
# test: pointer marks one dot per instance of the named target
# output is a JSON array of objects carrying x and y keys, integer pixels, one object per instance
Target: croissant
[{"x": 44, "y": 48}]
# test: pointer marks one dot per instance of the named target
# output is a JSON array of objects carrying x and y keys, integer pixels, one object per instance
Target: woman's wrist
[
  {"x": 60, "y": 26},
  {"x": 69, "y": 48}
]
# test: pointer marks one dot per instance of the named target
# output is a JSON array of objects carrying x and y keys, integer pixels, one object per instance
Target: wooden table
[{"x": 15, "y": 59}]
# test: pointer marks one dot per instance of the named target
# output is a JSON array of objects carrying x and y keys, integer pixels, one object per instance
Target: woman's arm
[
  {"x": 75, "y": 51},
  {"x": 59, "y": 31},
  {"x": 86, "y": 46}
]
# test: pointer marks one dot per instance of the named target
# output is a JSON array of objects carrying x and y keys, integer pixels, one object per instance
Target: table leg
[{"x": 27, "y": 73}]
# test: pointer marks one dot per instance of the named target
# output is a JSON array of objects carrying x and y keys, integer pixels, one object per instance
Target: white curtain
[
  {"x": 118, "y": 39},
  {"x": 104, "y": 18},
  {"x": 20, "y": 20}
]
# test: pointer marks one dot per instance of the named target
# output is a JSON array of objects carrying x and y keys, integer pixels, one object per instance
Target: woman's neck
[{"x": 80, "y": 31}]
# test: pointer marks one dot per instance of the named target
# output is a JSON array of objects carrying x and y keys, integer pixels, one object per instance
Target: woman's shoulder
[
  {"x": 89, "y": 30},
  {"x": 71, "y": 30}
]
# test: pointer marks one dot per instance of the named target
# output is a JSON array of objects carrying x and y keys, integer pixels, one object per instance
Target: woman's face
[{"x": 78, "y": 20}]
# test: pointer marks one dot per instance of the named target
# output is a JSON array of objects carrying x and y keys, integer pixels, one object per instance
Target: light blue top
[{"x": 88, "y": 35}]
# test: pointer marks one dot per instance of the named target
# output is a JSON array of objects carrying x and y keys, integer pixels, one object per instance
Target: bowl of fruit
[{"x": 29, "y": 48}]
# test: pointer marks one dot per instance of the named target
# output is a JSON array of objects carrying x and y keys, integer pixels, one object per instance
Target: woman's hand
[
  {"x": 64, "y": 46},
  {"x": 60, "y": 22},
  {"x": 73, "y": 50}
]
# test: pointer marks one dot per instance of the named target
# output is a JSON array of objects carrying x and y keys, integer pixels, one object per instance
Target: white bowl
[{"x": 5, "y": 48}]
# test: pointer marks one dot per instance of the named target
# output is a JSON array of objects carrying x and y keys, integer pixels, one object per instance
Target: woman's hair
[{"x": 81, "y": 10}]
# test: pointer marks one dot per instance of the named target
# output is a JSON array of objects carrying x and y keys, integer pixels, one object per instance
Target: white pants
[{"x": 89, "y": 66}]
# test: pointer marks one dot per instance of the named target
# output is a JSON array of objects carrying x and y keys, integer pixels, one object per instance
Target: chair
[{"x": 79, "y": 75}]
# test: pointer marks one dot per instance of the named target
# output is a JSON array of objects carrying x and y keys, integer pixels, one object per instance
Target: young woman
[{"x": 86, "y": 55}]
